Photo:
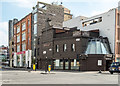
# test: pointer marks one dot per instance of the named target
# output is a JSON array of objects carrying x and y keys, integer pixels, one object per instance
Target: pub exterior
[{"x": 72, "y": 49}]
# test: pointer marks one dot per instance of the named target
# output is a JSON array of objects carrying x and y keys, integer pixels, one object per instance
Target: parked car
[{"x": 115, "y": 67}]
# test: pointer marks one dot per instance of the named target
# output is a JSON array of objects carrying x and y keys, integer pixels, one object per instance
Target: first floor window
[
  {"x": 73, "y": 47},
  {"x": 64, "y": 47},
  {"x": 57, "y": 48},
  {"x": 18, "y": 48},
  {"x": 23, "y": 36},
  {"x": 18, "y": 38},
  {"x": 23, "y": 47}
]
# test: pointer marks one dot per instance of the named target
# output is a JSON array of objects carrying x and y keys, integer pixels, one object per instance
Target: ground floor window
[
  {"x": 75, "y": 64},
  {"x": 66, "y": 64},
  {"x": 58, "y": 64}
]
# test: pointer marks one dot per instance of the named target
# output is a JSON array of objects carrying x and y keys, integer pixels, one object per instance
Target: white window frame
[
  {"x": 18, "y": 38},
  {"x": 18, "y": 48},
  {"x": 23, "y": 26},
  {"x": 18, "y": 29},
  {"x": 23, "y": 36}
]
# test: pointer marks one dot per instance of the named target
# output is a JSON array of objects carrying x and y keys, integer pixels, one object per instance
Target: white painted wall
[
  {"x": 106, "y": 27},
  {"x": 21, "y": 60},
  {"x": 15, "y": 59}
]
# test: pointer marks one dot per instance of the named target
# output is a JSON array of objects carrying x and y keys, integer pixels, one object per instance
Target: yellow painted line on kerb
[{"x": 0, "y": 67}]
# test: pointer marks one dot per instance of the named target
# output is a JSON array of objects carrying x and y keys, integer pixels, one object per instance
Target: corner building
[{"x": 72, "y": 49}]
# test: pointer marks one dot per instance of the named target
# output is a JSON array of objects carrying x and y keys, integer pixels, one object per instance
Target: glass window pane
[
  {"x": 57, "y": 48},
  {"x": 92, "y": 49},
  {"x": 35, "y": 18},
  {"x": 35, "y": 29},
  {"x": 88, "y": 48},
  {"x": 103, "y": 49},
  {"x": 23, "y": 47},
  {"x": 18, "y": 29},
  {"x": 65, "y": 47},
  {"x": 23, "y": 26},
  {"x": 18, "y": 38},
  {"x": 18, "y": 48},
  {"x": 98, "y": 46},
  {"x": 23, "y": 36}
]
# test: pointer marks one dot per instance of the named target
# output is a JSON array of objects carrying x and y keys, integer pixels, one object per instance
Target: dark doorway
[{"x": 108, "y": 63}]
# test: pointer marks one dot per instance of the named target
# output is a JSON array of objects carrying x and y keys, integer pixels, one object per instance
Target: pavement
[{"x": 58, "y": 77}]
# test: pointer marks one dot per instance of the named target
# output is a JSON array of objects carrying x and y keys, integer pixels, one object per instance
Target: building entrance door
[{"x": 108, "y": 63}]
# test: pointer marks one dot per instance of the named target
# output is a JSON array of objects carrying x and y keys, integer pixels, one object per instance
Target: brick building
[
  {"x": 43, "y": 13},
  {"x": 68, "y": 49},
  {"x": 11, "y": 39},
  {"x": 22, "y": 42}
]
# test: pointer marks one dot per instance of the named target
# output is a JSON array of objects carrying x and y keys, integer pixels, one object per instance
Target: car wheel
[{"x": 111, "y": 72}]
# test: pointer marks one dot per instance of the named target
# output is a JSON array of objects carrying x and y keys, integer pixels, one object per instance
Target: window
[
  {"x": 118, "y": 36},
  {"x": 97, "y": 47},
  {"x": 99, "y": 62},
  {"x": 28, "y": 30},
  {"x": 23, "y": 36},
  {"x": 72, "y": 47},
  {"x": 92, "y": 21},
  {"x": 35, "y": 29},
  {"x": 23, "y": 26},
  {"x": 118, "y": 19},
  {"x": 118, "y": 48},
  {"x": 35, "y": 18},
  {"x": 23, "y": 47},
  {"x": 38, "y": 41},
  {"x": 18, "y": 48},
  {"x": 12, "y": 49},
  {"x": 18, "y": 38},
  {"x": 18, "y": 29},
  {"x": 64, "y": 47},
  {"x": 57, "y": 48},
  {"x": 12, "y": 43},
  {"x": 35, "y": 52},
  {"x": 28, "y": 22}
]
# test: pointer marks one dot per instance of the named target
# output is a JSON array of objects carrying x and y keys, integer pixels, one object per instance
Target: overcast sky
[{"x": 10, "y": 9}]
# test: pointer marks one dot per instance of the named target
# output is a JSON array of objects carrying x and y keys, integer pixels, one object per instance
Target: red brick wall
[{"x": 25, "y": 19}]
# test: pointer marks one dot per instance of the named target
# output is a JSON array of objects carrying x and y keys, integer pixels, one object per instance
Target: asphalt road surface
[{"x": 56, "y": 77}]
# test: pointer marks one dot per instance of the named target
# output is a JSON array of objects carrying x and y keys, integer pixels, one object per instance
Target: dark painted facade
[{"x": 65, "y": 49}]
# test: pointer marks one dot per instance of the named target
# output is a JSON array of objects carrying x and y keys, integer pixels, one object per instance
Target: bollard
[{"x": 100, "y": 71}]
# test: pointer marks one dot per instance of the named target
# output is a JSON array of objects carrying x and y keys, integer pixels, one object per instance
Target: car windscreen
[{"x": 115, "y": 64}]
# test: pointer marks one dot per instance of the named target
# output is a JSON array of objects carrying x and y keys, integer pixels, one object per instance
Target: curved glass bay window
[{"x": 96, "y": 46}]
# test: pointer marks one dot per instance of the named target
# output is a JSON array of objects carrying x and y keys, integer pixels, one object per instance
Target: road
[{"x": 57, "y": 77}]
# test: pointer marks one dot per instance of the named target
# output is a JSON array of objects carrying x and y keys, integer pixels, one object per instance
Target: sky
[{"x": 10, "y": 9}]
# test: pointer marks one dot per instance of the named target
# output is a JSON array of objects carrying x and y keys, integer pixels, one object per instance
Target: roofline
[{"x": 23, "y": 18}]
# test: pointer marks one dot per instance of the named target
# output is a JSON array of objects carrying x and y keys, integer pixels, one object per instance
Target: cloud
[{"x": 4, "y": 33}]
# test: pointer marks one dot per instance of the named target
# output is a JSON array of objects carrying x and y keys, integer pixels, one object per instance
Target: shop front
[{"x": 22, "y": 59}]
